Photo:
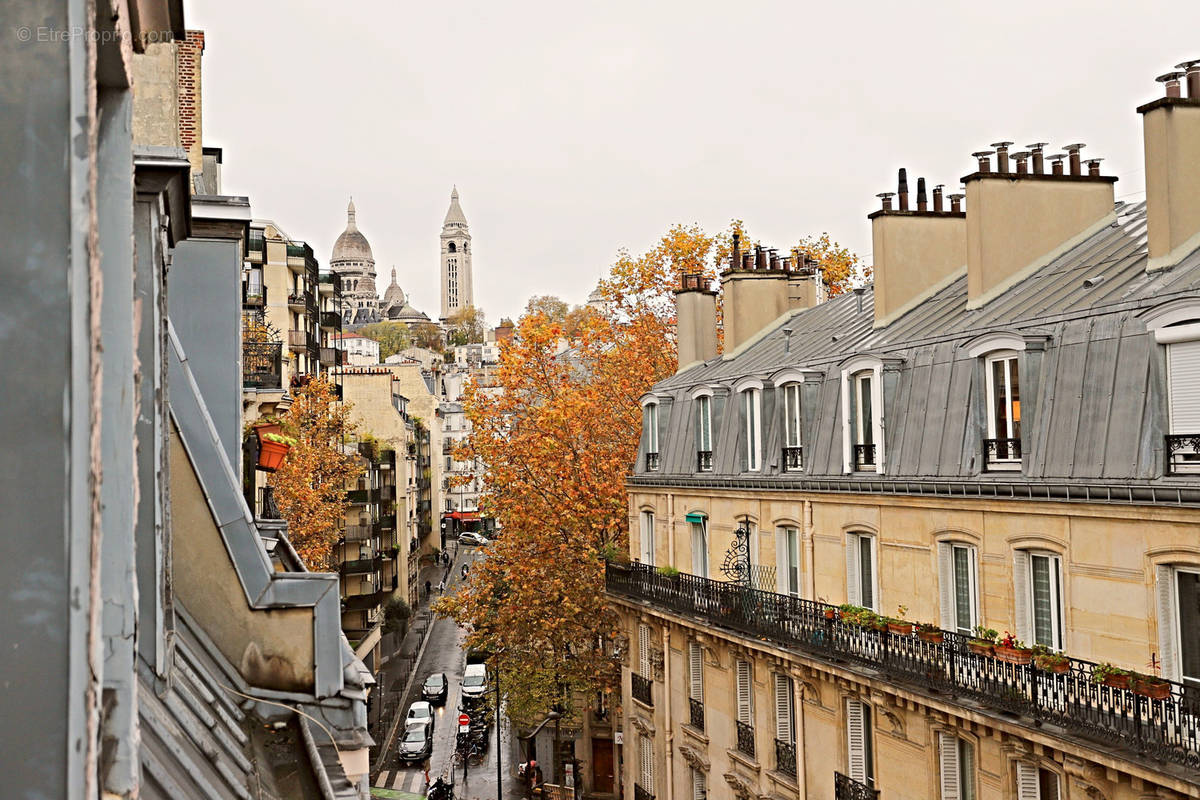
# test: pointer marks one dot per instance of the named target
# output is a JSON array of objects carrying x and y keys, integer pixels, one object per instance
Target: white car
[
  {"x": 474, "y": 682},
  {"x": 419, "y": 713},
  {"x": 470, "y": 537}
]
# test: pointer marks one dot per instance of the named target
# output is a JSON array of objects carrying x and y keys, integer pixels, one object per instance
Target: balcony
[
  {"x": 262, "y": 365},
  {"x": 793, "y": 459},
  {"x": 254, "y": 296},
  {"x": 329, "y": 356},
  {"x": 299, "y": 301},
  {"x": 1001, "y": 454},
  {"x": 864, "y": 458},
  {"x": 298, "y": 341},
  {"x": 745, "y": 739},
  {"x": 846, "y": 788},
  {"x": 387, "y": 492},
  {"x": 266, "y": 504},
  {"x": 387, "y": 522},
  {"x": 651, "y": 462},
  {"x": 361, "y": 565},
  {"x": 359, "y": 533},
  {"x": 785, "y": 757},
  {"x": 696, "y": 714},
  {"x": 704, "y": 460},
  {"x": 641, "y": 794},
  {"x": 1183, "y": 454},
  {"x": 358, "y": 496},
  {"x": 1165, "y": 728},
  {"x": 363, "y": 602},
  {"x": 300, "y": 257},
  {"x": 641, "y": 688},
  {"x": 331, "y": 320},
  {"x": 256, "y": 246}
]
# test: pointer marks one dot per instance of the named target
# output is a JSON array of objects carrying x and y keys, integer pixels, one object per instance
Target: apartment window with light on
[
  {"x": 1002, "y": 447},
  {"x": 862, "y": 420},
  {"x": 647, "y": 537},
  {"x": 793, "y": 449},
  {"x": 861, "y": 586},
  {"x": 957, "y": 573},
  {"x": 651, "y": 425},
  {"x": 751, "y": 414},
  {"x": 956, "y": 764},
  {"x": 704, "y": 433}
]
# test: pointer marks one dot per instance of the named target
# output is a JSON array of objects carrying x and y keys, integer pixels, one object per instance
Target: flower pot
[
  {"x": 263, "y": 428},
  {"x": 831, "y": 613},
  {"x": 1052, "y": 665},
  {"x": 980, "y": 648},
  {"x": 1153, "y": 688},
  {"x": 1117, "y": 681},
  {"x": 933, "y": 637},
  {"x": 271, "y": 455},
  {"x": 900, "y": 628},
  {"x": 1013, "y": 655}
]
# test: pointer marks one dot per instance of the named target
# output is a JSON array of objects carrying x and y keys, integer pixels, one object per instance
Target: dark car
[
  {"x": 417, "y": 744},
  {"x": 434, "y": 689}
]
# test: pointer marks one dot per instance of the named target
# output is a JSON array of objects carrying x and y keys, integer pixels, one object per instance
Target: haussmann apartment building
[{"x": 1003, "y": 431}]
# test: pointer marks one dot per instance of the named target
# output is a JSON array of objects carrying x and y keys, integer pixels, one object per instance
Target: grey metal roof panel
[{"x": 1093, "y": 401}]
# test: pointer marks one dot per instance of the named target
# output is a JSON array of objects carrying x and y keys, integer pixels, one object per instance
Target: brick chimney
[
  {"x": 1019, "y": 222},
  {"x": 696, "y": 321},
  {"x": 755, "y": 296},
  {"x": 916, "y": 253},
  {"x": 187, "y": 67},
  {"x": 1171, "y": 131}
]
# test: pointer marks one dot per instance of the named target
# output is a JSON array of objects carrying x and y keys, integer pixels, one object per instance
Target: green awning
[{"x": 696, "y": 516}]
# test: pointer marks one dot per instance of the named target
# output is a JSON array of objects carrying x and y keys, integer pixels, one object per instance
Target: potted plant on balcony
[
  {"x": 1110, "y": 675},
  {"x": 928, "y": 632},
  {"x": 898, "y": 624},
  {"x": 983, "y": 644},
  {"x": 1151, "y": 686},
  {"x": 830, "y": 612},
  {"x": 1048, "y": 660},
  {"x": 1013, "y": 651},
  {"x": 272, "y": 450},
  {"x": 668, "y": 571}
]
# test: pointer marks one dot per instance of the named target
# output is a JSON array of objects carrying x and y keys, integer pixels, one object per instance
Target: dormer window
[
  {"x": 704, "y": 433},
  {"x": 1183, "y": 396},
  {"x": 862, "y": 421},
  {"x": 650, "y": 423},
  {"x": 862, "y": 415},
  {"x": 752, "y": 419},
  {"x": 793, "y": 449},
  {"x": 1002, "y": 447}
]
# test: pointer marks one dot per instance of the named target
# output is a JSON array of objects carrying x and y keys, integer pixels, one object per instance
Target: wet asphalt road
[{"x": 444, "y": 653}]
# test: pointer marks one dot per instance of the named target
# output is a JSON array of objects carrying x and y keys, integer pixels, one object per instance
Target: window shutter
[
  {"x": 1168, "y": 649},
  {"x": 1183, "y": 371},
  {"x": 744, "y": 689},
  {"x": 696, "y": 671},
  {"x": 699, "y": 787},
  {"x": 783, "y": 708},
  {"x": 1027, "y": 782},
  {"x": 948, "y": 762},
  {"x": 877, "y": 422},
  {"x": 853, "y": 586},
  {"x": 647, "y": 754},
  {"x": 856, "y": 741},
  {"x": 1021, "y": 608},
  {"x": 847, "y": 435},
  {"x": 644, "y": 650},
  {"x": 783, "y": 583},
  {"x": 946, "y": 586}
]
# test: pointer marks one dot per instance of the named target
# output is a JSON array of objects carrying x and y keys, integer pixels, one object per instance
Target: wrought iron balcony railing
[
  {"x": 793, "y": 459},
  {"x": 361, "y": 565},
  {"x": 651, "y": 462},
  {"x": 745, "y": 739},
  {"x": 262, "y": 365},
  {"x": 704, "y": 460},
  {"x": 696, "y": 720},
  {"x": 1002, "y": 453},
  {"x": 359, "y": 533},
  {"x": 785, "y": 757},
  {"x": 641, "y": 688},
  {"x": 266, "y": 504},
  {"x": 299, "y": 300},
  {"x": 254, "y": 295},
  {"x": 1183, "y": 454},
  {"x": 1075, "y": 701},
  {"x": 864, "y": 458},
  {"x": 846, "y": 788},
  {"x": 331, "y": 320},
  {"x": 641, "y": 794}
]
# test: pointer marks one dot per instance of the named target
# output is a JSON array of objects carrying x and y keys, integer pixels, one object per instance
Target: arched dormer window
[
  {"x": 1001, "y": 353},
  {"x": 702, "y": 400},
  {"x": 650, "y": 432},
  {"x": 1176, "y": 326},
  {"x": 749, "y": 394},
  {"x": 862, "y": 415}
]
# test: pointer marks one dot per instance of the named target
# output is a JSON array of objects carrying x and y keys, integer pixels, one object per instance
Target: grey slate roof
[{"x": 1093, "y": 402}]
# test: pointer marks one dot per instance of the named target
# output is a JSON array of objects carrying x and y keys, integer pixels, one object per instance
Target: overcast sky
[{"x": 575, "y": 129}]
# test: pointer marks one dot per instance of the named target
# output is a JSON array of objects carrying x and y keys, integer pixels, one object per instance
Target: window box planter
[
  {"x": 900, "y": 628},
  {"x": 1052, "y": 663},
  {"x": 273, "y": 449},
  {"x": 1117, "y": 681},
  {"x": 931, "y": 635},
  {"x": 263, "y": 428},
  {"x": 1151, "y": 687},
  {"x": 831, "y": 613},
  {"x": 1013, "y": 655},
  {"x": 980, "y": 647}
]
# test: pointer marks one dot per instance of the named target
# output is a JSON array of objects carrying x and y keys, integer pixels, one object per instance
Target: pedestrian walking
[
  {"x": 465, "y": 569},
  {"x": 428, "y": 588},
  {"x": 442, "y": 587}
]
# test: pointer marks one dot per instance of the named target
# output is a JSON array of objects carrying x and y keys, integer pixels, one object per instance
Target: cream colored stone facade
[{"x": 1109, "y": 556}]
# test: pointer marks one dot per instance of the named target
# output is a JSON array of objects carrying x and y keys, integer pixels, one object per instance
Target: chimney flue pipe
[
  {"x": 1056, "y": 163},
  {"x": 1192, "y": 69},
  {"x": 956, "y": 203},
  {"x": 1022, "y": 159},
  {"x": 886, "y": 197},
  {"x": 937, "y": 198},
  {"x": 902, "y": 188},
  {"x": 1001, "y": 156},
  {"x": 1073, "y": 152},
  {"x": 735, "y": 257},
  {"x": 1170, "y": 82},
  {"x": 760, "y": 257},
  {"x": 1093, "y": 165},
  {"x": 922, "y": 200},
  {"x": 985, "y": 164}
]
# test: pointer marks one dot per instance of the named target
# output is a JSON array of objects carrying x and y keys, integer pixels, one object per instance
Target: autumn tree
[
  {"x": 559, "y": 312},
  {"x": 392, "y": 337},
  {"x": 310, "y": 485},
  {"x": 427, "y": 335},
  {"x": 466, "y": 326},
  {"x": 839, "y": 266}
]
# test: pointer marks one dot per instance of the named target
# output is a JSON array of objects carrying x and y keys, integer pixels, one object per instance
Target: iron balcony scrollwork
[
  {"x": 736, "y": 565},
  {"x": 785, "y": 757},
  {"x": 1165, "y": 728},
  {"x": 704, "y": 461},
  {"x": 1001, "y": 450},
  {"x": 846, "y": 788},
  {"x": 864, "y": 457},
  {"x": 745, "y": 739},
  {"x": 696, "y": 718},
  {"x": 651, "y": 462},
  {"x": 641, "y": 688},
  {"x": 793, "y": 459},
  {"x": 1183, "y": 453},
  {"x": 641, "y": 794}
]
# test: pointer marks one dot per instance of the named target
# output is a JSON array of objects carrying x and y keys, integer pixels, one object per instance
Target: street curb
[{"x": 391, "y": 737}]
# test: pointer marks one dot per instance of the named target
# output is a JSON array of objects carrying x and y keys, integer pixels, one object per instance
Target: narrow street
[{"x": 443, "y": 652}]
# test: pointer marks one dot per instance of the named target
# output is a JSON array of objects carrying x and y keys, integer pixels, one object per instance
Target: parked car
[
  {"x": 434, "y": 688},
  {"x": 472, "y": 538},
  {"x": 474, "y": 682},
  {"x": 420, "y": 713},
  {"x": 417, "y": 744}
]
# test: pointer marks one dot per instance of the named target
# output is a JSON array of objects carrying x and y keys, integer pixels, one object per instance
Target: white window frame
[
  {"x": 956, "y": 772},
  {"x": 651, "y": 425},
  {"x": 1170, "y": 623},
  {"x": 647, "y": 536},
  {"x": 854, "y": 577},
  {"x": 792, "y": 416},
  {"x": 752, "y": 413},
  {"x": 787, "y": 544},
  {"x": 948, "y": 585},
  {"x": 700, "y": 548},
  {"x": 699, "y": 785},
  {"x": 989, "y": 379},
  {"x": 853, "y": 370},
  {"x": 860, "y": 760},
  {"x": 704, "y": 421},
  {"x": 1023, "y": 597}
]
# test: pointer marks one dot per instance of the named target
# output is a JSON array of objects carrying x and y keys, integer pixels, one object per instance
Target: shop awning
[{"x": 696, "y": 516}]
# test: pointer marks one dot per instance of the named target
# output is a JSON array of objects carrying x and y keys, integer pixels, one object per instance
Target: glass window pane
[
  {"x": 999, "y": 400},
  {"x": 1189, "y": 624},
  {"x": 866, "y": 572},
  {"x": 966, "y": 770},
  {"x": 705, "y": 425},
  {"x": 867, "y": 433},
  {"x": 1014, "y": 398},
  {"x": 793, "y": 542},
  {"x": 1043, "y": 625},
  {"x": 962, "y": 589}
]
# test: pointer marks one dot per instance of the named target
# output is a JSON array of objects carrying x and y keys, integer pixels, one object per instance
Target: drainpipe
[
  {"x": 810, "y": 574},
  {"x": 671, "y": 530},
  {"x": 670, "y": 740},
  {"x": 801, "y": 746}
]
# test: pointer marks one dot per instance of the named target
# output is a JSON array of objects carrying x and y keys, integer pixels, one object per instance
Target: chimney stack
[
  {"x": 1171, "y": 130},
  {"x": 696, "y": 320},
  {"x": 902, "y": 188},
  {"x": 1037, "y": 148},
  {"x": 755, "y": 296},
  {"x": 985, "y": 165},
  {"x": 1073, "y": 152},
  {"x": 922, "y": 200},
  {"x": 1001, "y": 156}
]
